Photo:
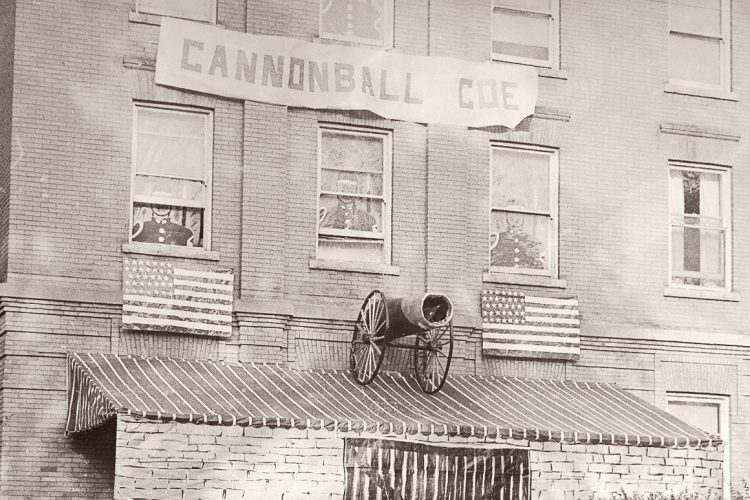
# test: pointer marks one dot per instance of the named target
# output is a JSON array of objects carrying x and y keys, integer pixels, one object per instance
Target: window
[
  {"x": 700, "y": 226},
  {"x": 526, "y": 31},
  {"x": 360, "y": 21},
  {"x": 354, "y": 195},
  {"x": 708, "y": 413},
  {"x": 196, "y": 10},
  {"x": 171, "y": 189},
  {"x": 699, "y": 45},
  {"x": 418, "y": 471},
  {"x": 523, "y": 210}
]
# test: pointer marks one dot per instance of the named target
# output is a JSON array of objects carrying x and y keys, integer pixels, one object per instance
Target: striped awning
[{"x": 248, "y": 394}]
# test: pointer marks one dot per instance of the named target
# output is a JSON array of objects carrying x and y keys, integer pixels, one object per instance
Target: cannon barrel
[{"x": 415, "y": 314}]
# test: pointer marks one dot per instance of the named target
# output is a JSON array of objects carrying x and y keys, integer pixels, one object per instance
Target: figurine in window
[
  {"x": 358, "y": 18},
  {"x": 346, "y": 215},
  {"x": 514, "y": 247},
  {"x": 161, "y": 229}
]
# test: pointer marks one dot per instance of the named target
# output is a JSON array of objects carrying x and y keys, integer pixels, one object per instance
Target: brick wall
[
  {"x": 7, "y": 48},
  {"x": 173, "y": 460}
]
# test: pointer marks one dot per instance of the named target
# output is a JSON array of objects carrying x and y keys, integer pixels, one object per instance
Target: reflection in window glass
[{"x": 352, "y": 216}]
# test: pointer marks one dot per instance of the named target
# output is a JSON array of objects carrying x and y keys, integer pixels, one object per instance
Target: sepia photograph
[{"x": 375, "y": 249}]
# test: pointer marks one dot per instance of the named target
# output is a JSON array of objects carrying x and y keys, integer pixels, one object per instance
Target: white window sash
[
  {"x": 346, "y": 236},
  {"x": 551, "y": 214},
  {"x": 724, "y": 228},
  {"x": 207, "y": 170},
  {"x": 724, "y": 39},
  {"x": 553, "y": 23}
]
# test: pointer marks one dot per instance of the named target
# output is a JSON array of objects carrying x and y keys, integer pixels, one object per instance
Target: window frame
[
  {"x": 212, "y": 8},
  {"x": 725, "y": 50},
  {"x": 388, "y": 29},
  {"x": 725, "y": 206},
  {"x": 723, "y": 403},
  {"x": 553, "y": 61},
  {"x": 387, "y": 137},
  {"x": 554, "y": 167},
  {"x": 207, "y": 170}
]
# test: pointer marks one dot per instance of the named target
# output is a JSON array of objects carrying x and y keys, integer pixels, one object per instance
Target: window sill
[
  {"x": 170, "y": 251},
  {"x": 523, "y": 279},
  {"x": 557, "y": 74},
  {"x": 155, "y": 20},
  {"x": 672, "y": 88},
  {"x": 695, "y": 293},
  {"x": 354, "y": 266}
]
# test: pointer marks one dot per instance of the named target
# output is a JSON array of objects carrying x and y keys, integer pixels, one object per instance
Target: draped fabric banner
[{"x": 294, "y": 72}]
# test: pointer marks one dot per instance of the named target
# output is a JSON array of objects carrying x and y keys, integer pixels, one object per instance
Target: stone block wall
[{"x": 174, "y": 460}]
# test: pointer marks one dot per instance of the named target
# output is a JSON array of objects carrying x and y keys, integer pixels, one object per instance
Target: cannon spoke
[
  {"x": 368, "y": 339},
  {"x": 432, "y": 355}
]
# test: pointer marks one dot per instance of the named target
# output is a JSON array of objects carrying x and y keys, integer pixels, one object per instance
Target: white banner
[{"x": 293, "y": 72}]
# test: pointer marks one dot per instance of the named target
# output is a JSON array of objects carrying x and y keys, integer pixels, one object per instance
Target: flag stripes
[
  {"x": 159, "y": 296},
  {"x": 379, "y": 469},
  {"x": 519, "y": 325},
  {"x": 100, "y": 385}
]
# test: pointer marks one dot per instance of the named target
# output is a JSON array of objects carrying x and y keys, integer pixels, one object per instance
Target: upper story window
[
  {"x": 523, "y": 210},
  {"x": 354, "y": 195},
  {"x": 699, "y": 206},
  {"x": 526, "y": 31},
  {"x": 196, "y": 10},
  {"x": 367, "y": 22},
  {"x": 171, "y": 188},
  {"x": 699, "y": 43}
]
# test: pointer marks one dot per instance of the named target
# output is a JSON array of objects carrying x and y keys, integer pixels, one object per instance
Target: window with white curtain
[
  {"x": 172, "y": 162},
  {"x": 526, "y": 31},
  {"x": 700, "y": 220},
  {"x": 523, "y": 210},
  {"x": 699, "y": 43},
  {"x": 354, "y": 194}
]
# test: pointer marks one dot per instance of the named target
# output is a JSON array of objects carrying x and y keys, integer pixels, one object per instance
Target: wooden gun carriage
[{"x": 381, "y": 324}]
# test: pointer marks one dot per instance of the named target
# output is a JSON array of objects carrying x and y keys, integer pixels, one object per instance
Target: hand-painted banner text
[{"x": 294, "y": 72}]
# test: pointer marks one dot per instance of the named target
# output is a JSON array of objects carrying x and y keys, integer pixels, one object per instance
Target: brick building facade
[{"x": 621, "y": 126}]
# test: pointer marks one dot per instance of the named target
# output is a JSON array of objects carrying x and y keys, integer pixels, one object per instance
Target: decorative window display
[
  {"x": 699, "y": 43},
  {"x": 171, "y": 176},
  {"x": 526, "y": 31},
  {"x": 397, "y": 469},
  {"x": 196, "y": 10},
  {"x": 523, "y": 210},
  {"x": 354, "y": 188},
  {"x": 700, "y": 224},
  {"x": 361, "y": 21}
]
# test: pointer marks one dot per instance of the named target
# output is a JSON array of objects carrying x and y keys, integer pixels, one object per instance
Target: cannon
[{"x": 382, "y": 322}]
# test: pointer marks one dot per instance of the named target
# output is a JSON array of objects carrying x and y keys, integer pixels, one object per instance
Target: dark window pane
[{"x": 167, "y": 225}]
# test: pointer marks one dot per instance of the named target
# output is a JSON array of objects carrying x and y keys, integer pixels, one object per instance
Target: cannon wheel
[
  {"x": 433, "y": 351},
  {"x": 368, "y": 340}
]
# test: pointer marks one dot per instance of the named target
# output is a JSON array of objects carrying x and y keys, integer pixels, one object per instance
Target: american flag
[
  {"x": 159, "y": 296},
  {"x": 524, "y": 326}
]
